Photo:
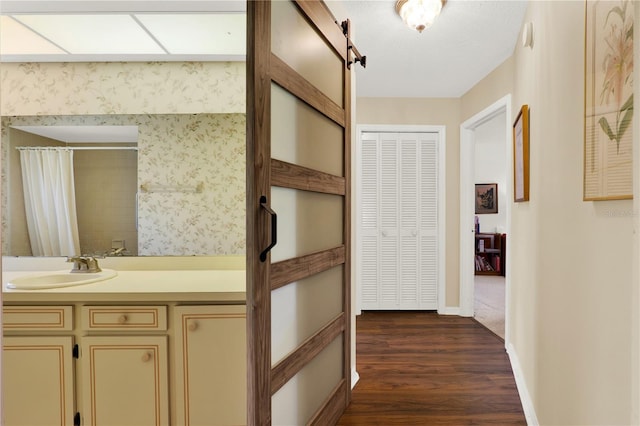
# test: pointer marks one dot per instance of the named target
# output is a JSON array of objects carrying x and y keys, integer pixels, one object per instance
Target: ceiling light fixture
[{"x": 419, "y": 14}]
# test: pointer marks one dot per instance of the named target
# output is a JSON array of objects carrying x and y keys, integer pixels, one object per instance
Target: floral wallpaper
[
  {"x": 189, "y": 150},
  {"x": 177, "y": 150},
  {"x": 191, "y": 131},
  {"x": 122, "y": 88}
]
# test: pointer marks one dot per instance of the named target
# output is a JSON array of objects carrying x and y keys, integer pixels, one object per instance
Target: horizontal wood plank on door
[
  {"x": 421, "y": 368},
  {"x": 288, "y": 367},
  {"x": 326, "y": 22},
  {"x": 330, "y": 411},
  {"x": 298, "y": 268},
  {"x": 287, "y": 175},
  {"x": 294, "y": 83}
]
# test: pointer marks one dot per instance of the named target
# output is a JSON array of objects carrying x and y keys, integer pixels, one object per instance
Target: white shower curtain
[{"x": 50, "y": 201}]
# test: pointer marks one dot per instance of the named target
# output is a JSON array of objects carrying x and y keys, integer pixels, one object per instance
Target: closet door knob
[
  {"x": 148, "y": 356},
  {"x": 193, "y": 326},
  {"x": 384, "y": 233}
]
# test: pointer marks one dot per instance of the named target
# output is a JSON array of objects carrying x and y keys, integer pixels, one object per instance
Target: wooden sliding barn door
[{"x": 298, "y": 293}]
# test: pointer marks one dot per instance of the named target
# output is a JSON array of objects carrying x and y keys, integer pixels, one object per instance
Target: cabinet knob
[
  {"x": 193, "y": 325},
  {"x": 414, "y": 233},
  {"x": 148, "y": 356},
  {"x": 384, "y": 233},
  {"x": 123, "y": 319}
]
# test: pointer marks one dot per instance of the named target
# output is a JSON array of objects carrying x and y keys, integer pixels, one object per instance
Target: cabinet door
[
  {"x": 210, "y": 374},
  {"x": 124, "y": 380},
  {"x": 37, "y": 372}
]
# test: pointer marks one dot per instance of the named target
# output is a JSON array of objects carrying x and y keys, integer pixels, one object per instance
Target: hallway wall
[{"x": 572, "y": 287}]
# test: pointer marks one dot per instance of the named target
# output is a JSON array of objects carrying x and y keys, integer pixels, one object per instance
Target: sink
[{"x": 59, "y": 279}]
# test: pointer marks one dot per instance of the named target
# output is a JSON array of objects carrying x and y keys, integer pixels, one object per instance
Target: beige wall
[
  {"x": 572, "y": 284},
  {"x": 494, "y": 86},
  {"x": 415, "y": 111},
  {"x": 105, "y": 183},
  {"x": 572, "y": 264}
]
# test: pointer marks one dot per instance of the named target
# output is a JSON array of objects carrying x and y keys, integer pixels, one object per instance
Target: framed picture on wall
[
  {"x": 486, "y": 198},
  {"x": 608, "y": 100},
  {"x": 521, "y": 155}
]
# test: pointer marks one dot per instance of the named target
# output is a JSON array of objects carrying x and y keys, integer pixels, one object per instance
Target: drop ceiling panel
[
  {"x": 16, "y": 39},
  {"x": 93, "y": 34},
  {"x": 203, "y": 34}
]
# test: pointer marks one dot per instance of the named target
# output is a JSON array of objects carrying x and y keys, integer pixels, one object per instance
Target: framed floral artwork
[{"x": 608, "y": 103}]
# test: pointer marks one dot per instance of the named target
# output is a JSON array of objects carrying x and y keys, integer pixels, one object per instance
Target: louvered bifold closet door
[
  {"x": 389, "y": 256},
  {"x": 299, "y": 296},
  {"x": 409, "y": 251},
  {"x": 428, "y": 221},
  {"x": 399, "y": 220},
  {"x": 369, "y": 220}
]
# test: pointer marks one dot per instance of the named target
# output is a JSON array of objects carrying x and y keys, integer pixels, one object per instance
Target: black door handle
[{"x": 274, "y": 228}]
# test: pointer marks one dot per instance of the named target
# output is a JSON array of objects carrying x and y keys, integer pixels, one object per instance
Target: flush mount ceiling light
[{"x": 419, "y": 14}]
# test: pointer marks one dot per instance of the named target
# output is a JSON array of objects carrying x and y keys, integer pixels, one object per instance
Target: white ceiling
[
  {"x": 74, "y": 31},
  {"x": 467, "y": 41}
]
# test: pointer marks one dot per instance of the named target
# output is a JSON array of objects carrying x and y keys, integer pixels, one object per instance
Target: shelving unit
[{"x": 490, "y": 254}]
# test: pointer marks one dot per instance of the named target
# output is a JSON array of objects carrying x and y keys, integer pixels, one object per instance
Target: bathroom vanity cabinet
[
  {"x": 37, "y": 379},
  {"x": 204, "y": 389},
  {"x": 136, "y": 362},
  {"x": 124, "y": 365}
]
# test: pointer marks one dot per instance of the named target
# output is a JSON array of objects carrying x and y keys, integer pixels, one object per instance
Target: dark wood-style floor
[{"x": 419, "y": 368}]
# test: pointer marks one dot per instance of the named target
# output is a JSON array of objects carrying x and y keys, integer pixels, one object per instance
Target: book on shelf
[{"x": 482, "y": 264}]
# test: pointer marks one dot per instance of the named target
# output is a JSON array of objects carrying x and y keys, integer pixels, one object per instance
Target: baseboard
[
  {"x": 449, "y": 310},
  {"x": 355, "y": 377},
  {"x": 525, "y": 397}
]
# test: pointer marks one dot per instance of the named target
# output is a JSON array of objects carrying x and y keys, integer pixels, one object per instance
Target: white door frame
[
  {"x": 357, "y": 200},
  {"x": 467, "y": 205}
]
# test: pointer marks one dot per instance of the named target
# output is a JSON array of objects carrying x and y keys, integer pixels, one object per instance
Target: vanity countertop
[{"x": 224, "y": 286}]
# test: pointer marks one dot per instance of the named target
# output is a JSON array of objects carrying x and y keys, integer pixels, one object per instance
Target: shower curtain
[{"x": 50, "y": 202}]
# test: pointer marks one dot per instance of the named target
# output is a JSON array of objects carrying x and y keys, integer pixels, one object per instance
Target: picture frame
[
  {"x": 608, "y": 100},
  {"x": 486, "y": 197},
  {"x": 521, "y": 156}
]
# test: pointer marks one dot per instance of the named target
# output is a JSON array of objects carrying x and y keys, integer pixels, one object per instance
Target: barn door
[{"x": 298, "y": 178}]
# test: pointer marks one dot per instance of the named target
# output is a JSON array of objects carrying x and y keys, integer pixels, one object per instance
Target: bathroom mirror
[
  {"x": 181, "y": 193},
  {"x": 178, "y": 75}
]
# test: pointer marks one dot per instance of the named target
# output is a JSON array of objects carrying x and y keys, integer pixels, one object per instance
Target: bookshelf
[{"x": 490, "y": 254}]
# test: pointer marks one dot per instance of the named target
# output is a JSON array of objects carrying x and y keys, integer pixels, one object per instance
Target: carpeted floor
[{"x": 489, "y": 302}]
